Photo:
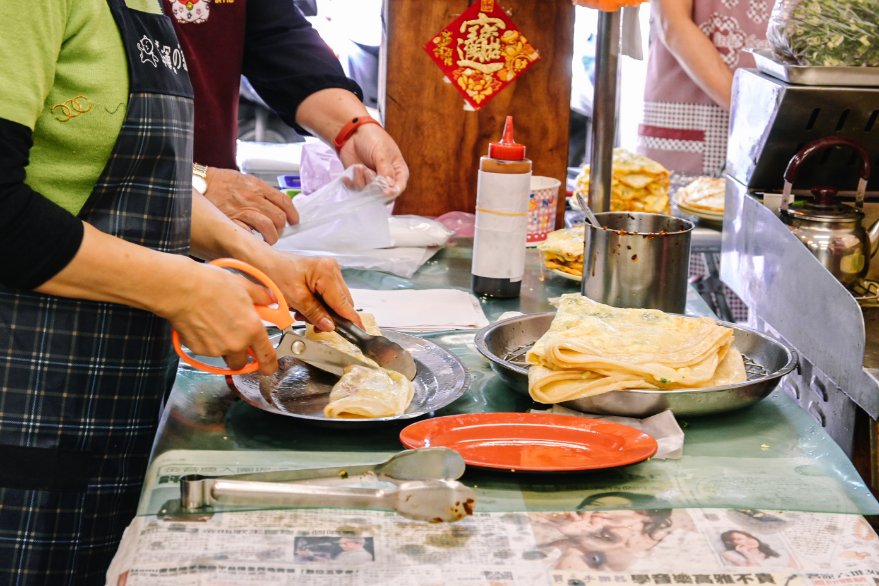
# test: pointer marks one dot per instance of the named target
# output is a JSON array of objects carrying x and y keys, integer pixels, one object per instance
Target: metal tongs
[
  {"x": 386, "y": 353},
  {"x": 424, "y": 487},
  {"x": 292, "y": 344}
]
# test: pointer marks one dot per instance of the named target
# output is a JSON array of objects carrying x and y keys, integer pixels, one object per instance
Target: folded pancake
[
  {"x": 563, "y": 250},
  {"x": 704, "y": 194},
  {"x": 369, "y": 392},
  {"x": 591, "y": 348},
  {"x": 363, "y": 391},
  {"x": 335, "y": 340}
]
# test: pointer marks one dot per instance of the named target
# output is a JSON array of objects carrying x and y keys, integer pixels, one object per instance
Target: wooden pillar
[{"x": 441, "y": 140}]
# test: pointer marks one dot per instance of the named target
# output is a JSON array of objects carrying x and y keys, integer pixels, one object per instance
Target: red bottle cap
[{"x": 507, "y": 149}]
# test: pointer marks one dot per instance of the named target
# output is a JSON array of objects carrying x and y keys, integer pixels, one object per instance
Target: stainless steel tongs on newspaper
[{"x": 424, "y": 487}]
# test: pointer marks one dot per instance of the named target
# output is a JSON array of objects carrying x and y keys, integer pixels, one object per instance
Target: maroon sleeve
[
  {"x": 38, "y": 238},
  {"x": 286, "y": 60}
]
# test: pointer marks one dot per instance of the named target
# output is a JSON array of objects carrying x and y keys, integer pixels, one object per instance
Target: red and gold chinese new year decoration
[{"x": 481, "y": 52}]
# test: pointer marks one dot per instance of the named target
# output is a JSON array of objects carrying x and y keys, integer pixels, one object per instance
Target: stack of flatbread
[
  {"x": 563, "y": 250},
  {"x": 363, "y": 391},
  {"x": 638, "y": 184},
  {"x": 704, "y": 194},
  {"x": 592, "y": 348}
]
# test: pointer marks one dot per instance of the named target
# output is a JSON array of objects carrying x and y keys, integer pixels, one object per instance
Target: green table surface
[{"x": 769, "y": 456}]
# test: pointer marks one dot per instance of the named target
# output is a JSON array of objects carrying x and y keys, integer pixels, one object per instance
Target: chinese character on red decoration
[{"x": 481, "y": 52}]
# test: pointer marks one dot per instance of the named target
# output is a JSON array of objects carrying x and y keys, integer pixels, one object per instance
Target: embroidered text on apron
[{"x": 81, "y": 382}]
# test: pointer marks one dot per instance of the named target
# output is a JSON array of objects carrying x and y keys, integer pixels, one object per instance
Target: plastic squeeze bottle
[{"x": 502, "y": 194}]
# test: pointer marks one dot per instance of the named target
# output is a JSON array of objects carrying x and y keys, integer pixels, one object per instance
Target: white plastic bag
[
  {"x": 418, "y": 231},
  {"x": 337, "y": 217},
  {"x": 402, "y": 262},
  {"x": 355, "y": 227}
]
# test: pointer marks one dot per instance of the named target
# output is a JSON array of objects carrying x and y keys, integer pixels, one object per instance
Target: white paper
[
  {"x": 663, "y": 427},
  {"x": 424, "y": 310},
  {"x": 501, "y": 225}
]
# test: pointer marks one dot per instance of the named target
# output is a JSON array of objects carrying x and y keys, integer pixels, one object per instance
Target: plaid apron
[{"x": 81, "y": 383}]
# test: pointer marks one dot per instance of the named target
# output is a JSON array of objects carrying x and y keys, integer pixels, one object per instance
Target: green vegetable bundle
[{"x": 828, "y": 33}]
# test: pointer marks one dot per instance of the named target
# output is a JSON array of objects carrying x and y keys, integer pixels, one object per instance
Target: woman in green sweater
[{"x": 97, "y": 222}]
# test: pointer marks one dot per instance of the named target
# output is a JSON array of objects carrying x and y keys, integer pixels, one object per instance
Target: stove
[{"x": 788, "y": 292}]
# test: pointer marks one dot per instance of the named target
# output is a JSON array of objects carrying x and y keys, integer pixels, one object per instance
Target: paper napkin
[{"x": 422, "y": 310}]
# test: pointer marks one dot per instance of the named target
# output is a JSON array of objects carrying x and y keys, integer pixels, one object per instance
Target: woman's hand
[
  {"x": 310, "y": 284},
  {"x": 213, "y": 311},
  {"x": 324, "y": 113},
  {"x": 250, "y": 202},
  {"x": 372, "y": 146}
]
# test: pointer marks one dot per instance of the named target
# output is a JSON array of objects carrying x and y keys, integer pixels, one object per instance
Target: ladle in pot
[{"x": 588, "y": 211}]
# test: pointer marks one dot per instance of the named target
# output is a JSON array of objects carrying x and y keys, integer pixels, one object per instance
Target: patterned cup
[{"x": 542, "y": 205}]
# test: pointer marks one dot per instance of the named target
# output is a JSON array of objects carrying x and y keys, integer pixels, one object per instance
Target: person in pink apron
[
  {"x": 97, "y": 219},
  {"x": 695, "y": 46}
]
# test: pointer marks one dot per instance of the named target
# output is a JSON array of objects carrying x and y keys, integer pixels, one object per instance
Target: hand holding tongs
[{"x": 292, "y": 344}]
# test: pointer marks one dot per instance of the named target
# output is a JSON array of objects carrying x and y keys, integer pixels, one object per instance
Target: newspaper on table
[
  {"x": 359, "y": 547},
  {"x": 617, "y": 537}
]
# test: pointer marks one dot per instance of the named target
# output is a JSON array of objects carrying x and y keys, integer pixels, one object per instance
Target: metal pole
[{"x": 604, "y": 102}]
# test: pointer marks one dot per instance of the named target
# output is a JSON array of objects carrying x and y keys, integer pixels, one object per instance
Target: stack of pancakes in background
[
  {"x": 563, "y": 250},
  {"x": 703, "y": 196},
  {"x": 638, "y": 184}
]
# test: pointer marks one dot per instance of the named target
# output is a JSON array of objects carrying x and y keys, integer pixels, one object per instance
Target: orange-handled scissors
[{"x": 278, "y": 315}]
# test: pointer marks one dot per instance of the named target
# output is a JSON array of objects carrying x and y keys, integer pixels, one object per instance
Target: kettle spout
[{"x": 873, "y": 236}]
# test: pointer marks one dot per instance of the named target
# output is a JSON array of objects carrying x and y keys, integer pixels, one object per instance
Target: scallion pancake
[
  {"x": 591, "y": 348},
  {"x": 369, "y": 392},
  {"x": 563, "y": 250},
  {"x": 363, "y": 391}
]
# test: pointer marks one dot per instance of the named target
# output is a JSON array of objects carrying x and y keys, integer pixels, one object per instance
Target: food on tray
[
  {"x": 825, "y": 33},
  {"x": 363, "y": 391},
  {"x": 704, "y": 194},
  {"x": 592, "y": 348},
  {"x": 369, "y": 392},
  {"x": 638, "y": 184},
  {"x": 338, "y": 342},
  {"x": 563, "y": 250}
]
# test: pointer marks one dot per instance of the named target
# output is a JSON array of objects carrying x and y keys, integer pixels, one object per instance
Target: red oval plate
[{"x": 537, "y": 442}]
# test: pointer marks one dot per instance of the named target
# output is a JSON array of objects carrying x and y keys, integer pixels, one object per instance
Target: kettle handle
[{"x": 793, "y": 167}]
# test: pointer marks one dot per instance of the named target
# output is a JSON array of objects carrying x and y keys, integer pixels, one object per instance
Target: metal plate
[
  {"x": 302, "y": 391},
  {"x": 814, "y": 75},
  {"x": 505, "y": 343}
]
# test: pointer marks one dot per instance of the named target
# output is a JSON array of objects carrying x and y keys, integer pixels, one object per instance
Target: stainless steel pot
[{"x": 636, "y": 259}]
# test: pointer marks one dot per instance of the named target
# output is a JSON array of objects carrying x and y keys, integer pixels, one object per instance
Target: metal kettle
[{"x": 831, "y": 230}]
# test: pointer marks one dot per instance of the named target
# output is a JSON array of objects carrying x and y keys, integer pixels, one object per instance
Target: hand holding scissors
[
  {"x": 292, "y": 344},
  {"x": 279, "y": 315}
]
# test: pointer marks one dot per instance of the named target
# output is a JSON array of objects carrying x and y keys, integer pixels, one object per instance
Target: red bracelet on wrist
[{"x": 350, "y": 128}]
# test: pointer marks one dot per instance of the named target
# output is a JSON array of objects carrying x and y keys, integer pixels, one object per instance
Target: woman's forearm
[
  {"x": 106, "y": 268},
  {"x": 325, "y": 112},
  {"x": 695, "y": 52}
]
